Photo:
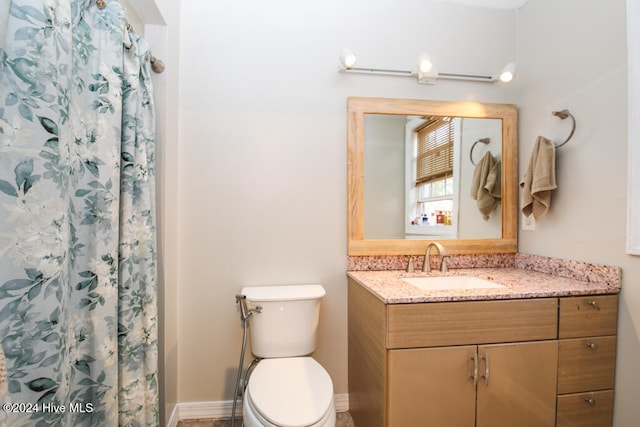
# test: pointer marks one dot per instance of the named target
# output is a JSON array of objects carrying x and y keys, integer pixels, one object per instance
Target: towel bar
[{"x": 563, "y": 114}]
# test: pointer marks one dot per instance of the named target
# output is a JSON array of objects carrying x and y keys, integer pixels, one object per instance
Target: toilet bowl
[{"x": 289, "y": 392}]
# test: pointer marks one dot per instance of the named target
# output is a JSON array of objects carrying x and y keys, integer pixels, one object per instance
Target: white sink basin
[{"x": 439, "y": 283}]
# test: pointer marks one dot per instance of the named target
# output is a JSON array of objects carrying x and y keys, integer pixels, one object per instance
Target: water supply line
[{"x": 245, "y": 315}]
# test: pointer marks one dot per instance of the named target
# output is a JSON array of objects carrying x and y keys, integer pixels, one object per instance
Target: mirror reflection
[
  {"x": 403, "y": 196},
  {"x": 432, "y": 177}
]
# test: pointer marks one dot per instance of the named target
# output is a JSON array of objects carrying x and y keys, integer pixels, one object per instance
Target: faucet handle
[
  {"x": 444, "y": 266},
  {"x": 410, "y": 265}
]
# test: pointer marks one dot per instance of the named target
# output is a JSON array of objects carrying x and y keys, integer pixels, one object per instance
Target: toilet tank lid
[{"x": 283, "y": 292}]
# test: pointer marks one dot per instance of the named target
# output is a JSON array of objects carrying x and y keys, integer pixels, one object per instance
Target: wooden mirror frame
[{"x": 357, "y": 107}]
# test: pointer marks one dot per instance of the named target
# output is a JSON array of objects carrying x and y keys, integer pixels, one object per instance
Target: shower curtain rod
[{"x": 156, "y": 65}]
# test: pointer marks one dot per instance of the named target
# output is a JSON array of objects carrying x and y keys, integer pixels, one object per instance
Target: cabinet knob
[
  {"x": 593, "y": 304},
  {"x": 590, "y": 400},
  {"x": 592, "y": 345}
]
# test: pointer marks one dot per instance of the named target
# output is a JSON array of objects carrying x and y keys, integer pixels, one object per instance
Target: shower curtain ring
[{"x": 101, "y": 4}]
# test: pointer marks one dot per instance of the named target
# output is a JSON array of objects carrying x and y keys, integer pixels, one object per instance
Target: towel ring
[
  {"x": 484, "y": 141},
  {"x": 563, "y": 114}
]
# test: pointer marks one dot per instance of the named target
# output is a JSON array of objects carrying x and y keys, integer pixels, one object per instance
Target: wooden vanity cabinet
[
  {"x": 551, "y": 362},
  {"x": 462, "y": 364},
  {"x": 586, "y": 360}
]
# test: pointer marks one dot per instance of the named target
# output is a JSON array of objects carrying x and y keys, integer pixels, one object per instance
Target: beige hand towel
[
  {"x": 540, "y": 179},
  {"x": 485, "y": 188}
]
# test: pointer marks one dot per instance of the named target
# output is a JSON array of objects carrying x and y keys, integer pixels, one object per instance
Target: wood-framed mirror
[{"x": 505, "y": 240}]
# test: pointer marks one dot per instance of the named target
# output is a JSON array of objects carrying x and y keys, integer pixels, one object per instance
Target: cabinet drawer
[
  {"x": 586, "y": 364},
  {"x": 588, "y": 316},
  {"x": 471, "y": 322},
  {"x": 586, "y": 409}
]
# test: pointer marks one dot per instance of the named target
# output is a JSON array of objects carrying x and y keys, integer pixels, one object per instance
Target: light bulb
[
  {"x": 508, "y": 73},
  {"x": 347, "y": 58},
  {"x": 424, "y": 63}
]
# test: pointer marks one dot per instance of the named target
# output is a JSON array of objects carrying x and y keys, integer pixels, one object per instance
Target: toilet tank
[{"x": 287, "y": 325}]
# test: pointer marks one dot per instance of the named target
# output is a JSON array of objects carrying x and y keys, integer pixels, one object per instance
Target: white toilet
[{"x": 287, "y": 388}]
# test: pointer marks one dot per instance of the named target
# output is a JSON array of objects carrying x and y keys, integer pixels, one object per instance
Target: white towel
[
  {"x": 485, "y": 188},
  {"x": 540, "y": 179}
]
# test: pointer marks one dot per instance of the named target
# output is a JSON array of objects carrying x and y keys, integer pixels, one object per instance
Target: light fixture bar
[
  {"x": 379, "y": 71},
  {"x": 405, "y": 73},
  {"x": 472, "y": 77},
  {"x": 426, "y": 72}
]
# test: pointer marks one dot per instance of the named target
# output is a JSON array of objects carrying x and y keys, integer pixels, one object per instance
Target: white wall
[
  {"x": 384, "y": 172},
  {"x": 262, "y": 186},
  {"x": 572, "y": 54}
]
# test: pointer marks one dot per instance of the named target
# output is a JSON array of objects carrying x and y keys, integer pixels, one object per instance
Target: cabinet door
[
  {"x": 432, "y": 387},
  {"x": 517, "y": 385}
]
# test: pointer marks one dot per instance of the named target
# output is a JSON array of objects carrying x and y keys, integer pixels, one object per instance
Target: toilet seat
[
  {"x": 290, "y": 392},
  {"x": 252, "y": 417}
]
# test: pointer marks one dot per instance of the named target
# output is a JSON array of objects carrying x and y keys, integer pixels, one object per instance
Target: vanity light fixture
[
  {"x": 347, "y": 58},
  {"x": 508, "y": 73},
  {"x": 424, "y": 63},
  {"x": 426, "y": 72}
]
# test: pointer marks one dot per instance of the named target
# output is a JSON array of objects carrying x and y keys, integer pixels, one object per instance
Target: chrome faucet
[{"x": 426, "y": 264}]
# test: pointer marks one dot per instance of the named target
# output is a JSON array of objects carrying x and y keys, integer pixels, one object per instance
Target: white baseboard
[
  {"x": 173, "y": 419},
  {"x": 207, "y": 410},
  {"x": 341, "y": 401},
  {"x": 222, "y": 409}
]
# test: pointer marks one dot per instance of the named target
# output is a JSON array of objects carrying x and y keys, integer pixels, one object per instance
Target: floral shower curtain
[{"x": 78, "y": 322}]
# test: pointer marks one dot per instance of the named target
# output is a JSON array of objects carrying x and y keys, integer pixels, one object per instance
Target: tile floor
[{"x": 343, "y": 419}]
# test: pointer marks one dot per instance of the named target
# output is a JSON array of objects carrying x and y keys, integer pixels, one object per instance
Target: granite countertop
[{"x": 389, "y": 287}]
